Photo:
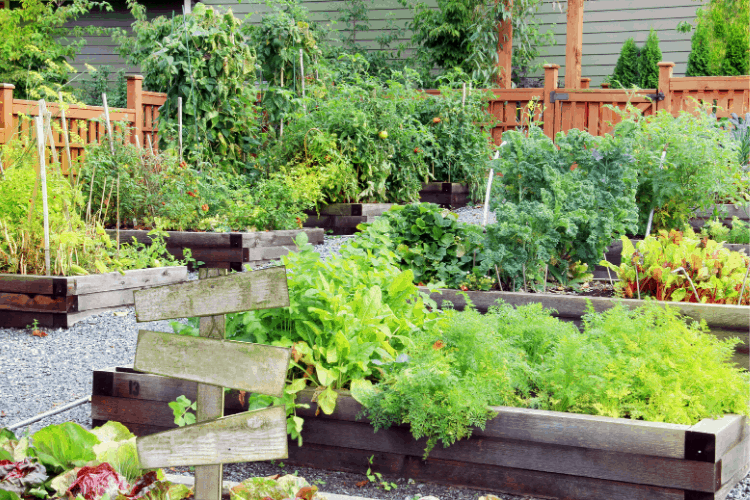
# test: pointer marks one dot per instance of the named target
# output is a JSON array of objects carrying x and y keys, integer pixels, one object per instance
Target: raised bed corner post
[
  {"x": 215, "y": 363},
  {"x": 505, "y": 50},
  {"x": 551, "y": 72},
  {"x": 574, "y": 45},
  {"x": 665, "y": 77}
]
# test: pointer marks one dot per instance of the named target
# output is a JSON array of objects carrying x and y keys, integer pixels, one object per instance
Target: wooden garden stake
[
  {"x": 179, "y": 125},
  {"x": 118, "y": 213},
  {"x": 109, "y": 124},
  {"x": 302, "y": 77},
  {"x": 150, "y": 144},
  {"x": 47, "y": 118},
  {"x": 43, "y": 175},
  {"x": 215, "y": 363},
  {"x": 66, "y": 138},
  {"x": 742, "y": 290}
]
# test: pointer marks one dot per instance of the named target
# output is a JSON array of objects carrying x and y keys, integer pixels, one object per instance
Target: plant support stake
[
  {"x": 47, "y": 119},
  {"x": 66, "y": 137},
  {"x": 697, "y": 297},
  {"x": 44, "y": 415},
  {"x": 43, "y": 175},
  {"x": 179, "y": 125},
  {"x": 302, "y": 78},
  {"x": 489, "y": 188},
  {"x": 742, "y": 290},
  {"x": 109, "y": 123}
]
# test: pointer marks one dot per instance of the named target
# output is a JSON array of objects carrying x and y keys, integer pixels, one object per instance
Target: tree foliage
[
  {"x": 698, "y": 60},
  {"x": 648, "y": 69},
  {"x": 36, "y": 45},
  {"x": 737, "y": 57},
  {"x": 625, "y": 74}
]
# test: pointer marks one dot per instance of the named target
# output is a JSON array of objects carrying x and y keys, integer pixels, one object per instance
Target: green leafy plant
[
  {"x": 714, "y": 229},
  {"x": 91, "y": 89},
  {"x": 699, "y": 57},
  {"x": 204, "y": 59},
  {"x": 182, "y": 407},
  {"x": 377, "y": 477},
  {"x": 679, "y": 267},
  {"x": 427, "y": 240}
]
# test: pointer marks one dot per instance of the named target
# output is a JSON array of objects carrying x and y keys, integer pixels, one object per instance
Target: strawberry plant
[{"x": 680, "y": 267}]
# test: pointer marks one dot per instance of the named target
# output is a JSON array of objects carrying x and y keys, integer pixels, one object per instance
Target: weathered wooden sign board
[{"x": 215, "y": 363}]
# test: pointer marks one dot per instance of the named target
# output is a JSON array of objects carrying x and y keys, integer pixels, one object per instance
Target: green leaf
[
  {"x": 295, "y": 386},
  {"x": 325, "y": 377},
  {"x": 361, "y": 390},
  {"x": 327, "y": 400},
  {"x": 65, "y": 445}
]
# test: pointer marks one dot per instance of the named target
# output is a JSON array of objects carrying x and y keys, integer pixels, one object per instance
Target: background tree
[
  {"x": 735, "y": 60},
  {"x": 648, "y": 60},
  {"x": 625, "y": 74},
  {"x": 698, "y": 60}
]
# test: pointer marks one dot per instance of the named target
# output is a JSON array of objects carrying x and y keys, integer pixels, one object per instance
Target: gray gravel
[{"x": 39, "y": 373}]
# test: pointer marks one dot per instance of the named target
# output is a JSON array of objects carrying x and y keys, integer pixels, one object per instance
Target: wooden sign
[{"x": 215, "y": 363}]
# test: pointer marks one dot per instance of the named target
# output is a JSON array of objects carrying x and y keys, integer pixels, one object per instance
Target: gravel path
[{"x": 39, "y": 373}]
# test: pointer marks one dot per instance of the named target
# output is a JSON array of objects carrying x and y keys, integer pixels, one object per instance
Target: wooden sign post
[{"x": 215, "y": 363}]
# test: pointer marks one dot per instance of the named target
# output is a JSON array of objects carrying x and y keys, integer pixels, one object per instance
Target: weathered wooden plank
[
  {"x": 131, "y": 279},
  {"x": 37, "y": 303},
  {"x": 238, "y": 365},
  {"x": 128, "y": 410},
  {"x": 209, "y": 254},
  {"x": 281, "y": 237},
  {"x": 575, "y": 461},
  {"x": 104, "y": 300},
  {"x": 735, "y": 460},
  {"x": 188, "y": 239},
  {"x": 711, "y": 83},
  {"x": 46, "y": 285},
  {"x": 245, "y": 437},
  {"x": 227, "y": 294},
  {"x": 727, "y": 487},
  {"x": 19, "y": 319}
]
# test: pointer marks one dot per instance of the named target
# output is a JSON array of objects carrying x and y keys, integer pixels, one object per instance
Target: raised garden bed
[
  {"x": 343, "y": 218},
  {"x": 723, "y": 320},
  {"x": 521, "y": 451},
  {"x": 445, "y": 194},
  {"x": 703, "y": 216},
  {"x": 227, "y": 250},
  {"x": 60, "y": 302},
  {"x": 140, "y": 400}
]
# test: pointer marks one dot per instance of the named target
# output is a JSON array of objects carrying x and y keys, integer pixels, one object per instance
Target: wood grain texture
[
  {"x": 245, "y": 437},
  {"x": 18, "y": 283},
  {"x": 450, "y": 472},
  {"x": 137, "y": 278},
  {"x": 26, "y": 302},
  {"x": 226, "y": 294},
  {"x": 735, "y": 460},
  {"x": 726, "y": 432},
  {"x": 238, "y": 365},
  {"x": 570, "y": 460}
]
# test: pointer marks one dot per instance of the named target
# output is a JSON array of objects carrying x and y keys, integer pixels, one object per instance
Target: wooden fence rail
[{"x": 564, "y": 108}]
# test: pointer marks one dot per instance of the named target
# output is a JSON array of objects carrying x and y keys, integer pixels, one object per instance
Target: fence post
[
  {"x": 550, "y": 84},
  {"x": 605, "y": 85},
  {"x": 665, "y": 75},
  {"x": 135, "y": 102},
  {"x": 505, "y": 54},
  {"x": 574, "y": 44},
  {"x": 6, "y": 112},
  {"x": 585, "y": 82}
]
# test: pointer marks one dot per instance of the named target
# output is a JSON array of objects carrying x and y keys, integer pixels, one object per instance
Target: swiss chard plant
[{"x": 680, "y": 267}]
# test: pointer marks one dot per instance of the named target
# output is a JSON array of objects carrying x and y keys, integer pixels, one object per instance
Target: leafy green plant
[
  {"x": 714, "y": 229},
  {"x": 649, "y": 57},
  {"x": 204, "y": 59},
  {"x": 699, "y": 167},
  {"x": 91, "y": 89},
  {"x": 698, "y": 59},
  {"x": 557, "y": 204},
  {"x": 427, "y": 240},
  {"x": 182, "y": 407},
  {"x": 679, "y": 267},
  {"x": 377, "y": 477}
]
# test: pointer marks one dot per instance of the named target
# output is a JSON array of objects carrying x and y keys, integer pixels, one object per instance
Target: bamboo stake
[
  {"x": 47, "y": 118},
  {"x": 109, "y": 123},
  {"x": 150, "y": 145},
  {"x": 302, "y": 77},
  {"x": 43, "y": 175},
  {"x": 66, "y": 138},
  {"x": 742, "y": 290},
  {"x": 179, "y": 124},
  {"x": 104, "y": 192},
  {"x": 499, "y": 283}
]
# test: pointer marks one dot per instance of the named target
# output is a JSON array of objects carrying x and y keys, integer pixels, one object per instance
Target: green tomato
[{"x": 383, "y": 134}]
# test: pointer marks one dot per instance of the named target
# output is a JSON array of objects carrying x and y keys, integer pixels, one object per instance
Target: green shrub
[
  {"x": 625, "y": 74},
  {"x": 699, "y": 57},
  {"x": 648, "y": 59},
  {"x": 737, "y": 58}
]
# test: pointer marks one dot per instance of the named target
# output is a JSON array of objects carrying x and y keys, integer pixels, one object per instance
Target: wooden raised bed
[
  {"x": 140, "y": 400},
  {"x": 723, "y": 320},
  {"x": 703, "y": 216},
  {"x": 59, "y": 302},
  {"x": 521, "y": 451},
  {"x": 227, "y": 250},
  {"x": 445, "y": 194},
  {"x": 343, "y": 218}
]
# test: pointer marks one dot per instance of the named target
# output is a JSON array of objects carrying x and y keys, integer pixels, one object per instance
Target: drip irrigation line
[{"x": 44, "y": 415}]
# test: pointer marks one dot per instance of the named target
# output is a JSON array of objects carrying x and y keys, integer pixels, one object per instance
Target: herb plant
[{"x": 739, "y": 233}]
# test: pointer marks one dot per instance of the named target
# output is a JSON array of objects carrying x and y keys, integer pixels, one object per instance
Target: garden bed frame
[
  {"x": 445, "y": 194},
  {"x": 343, "y": 218},
  {"x": 140, "y": 400},
  {"x": 521, "y": 451},
  {"x": 227, "y": 250},
  {"x": 61, "y": 301},
  {"x": 724, "y": 320}
]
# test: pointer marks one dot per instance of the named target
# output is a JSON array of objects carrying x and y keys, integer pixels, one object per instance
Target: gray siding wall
[{"x": 607, "y": 24}]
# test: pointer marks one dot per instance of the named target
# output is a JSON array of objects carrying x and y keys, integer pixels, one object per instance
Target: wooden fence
[
  {"x": 563, "y": 108},
  {"x": 85, "y": 124}
]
